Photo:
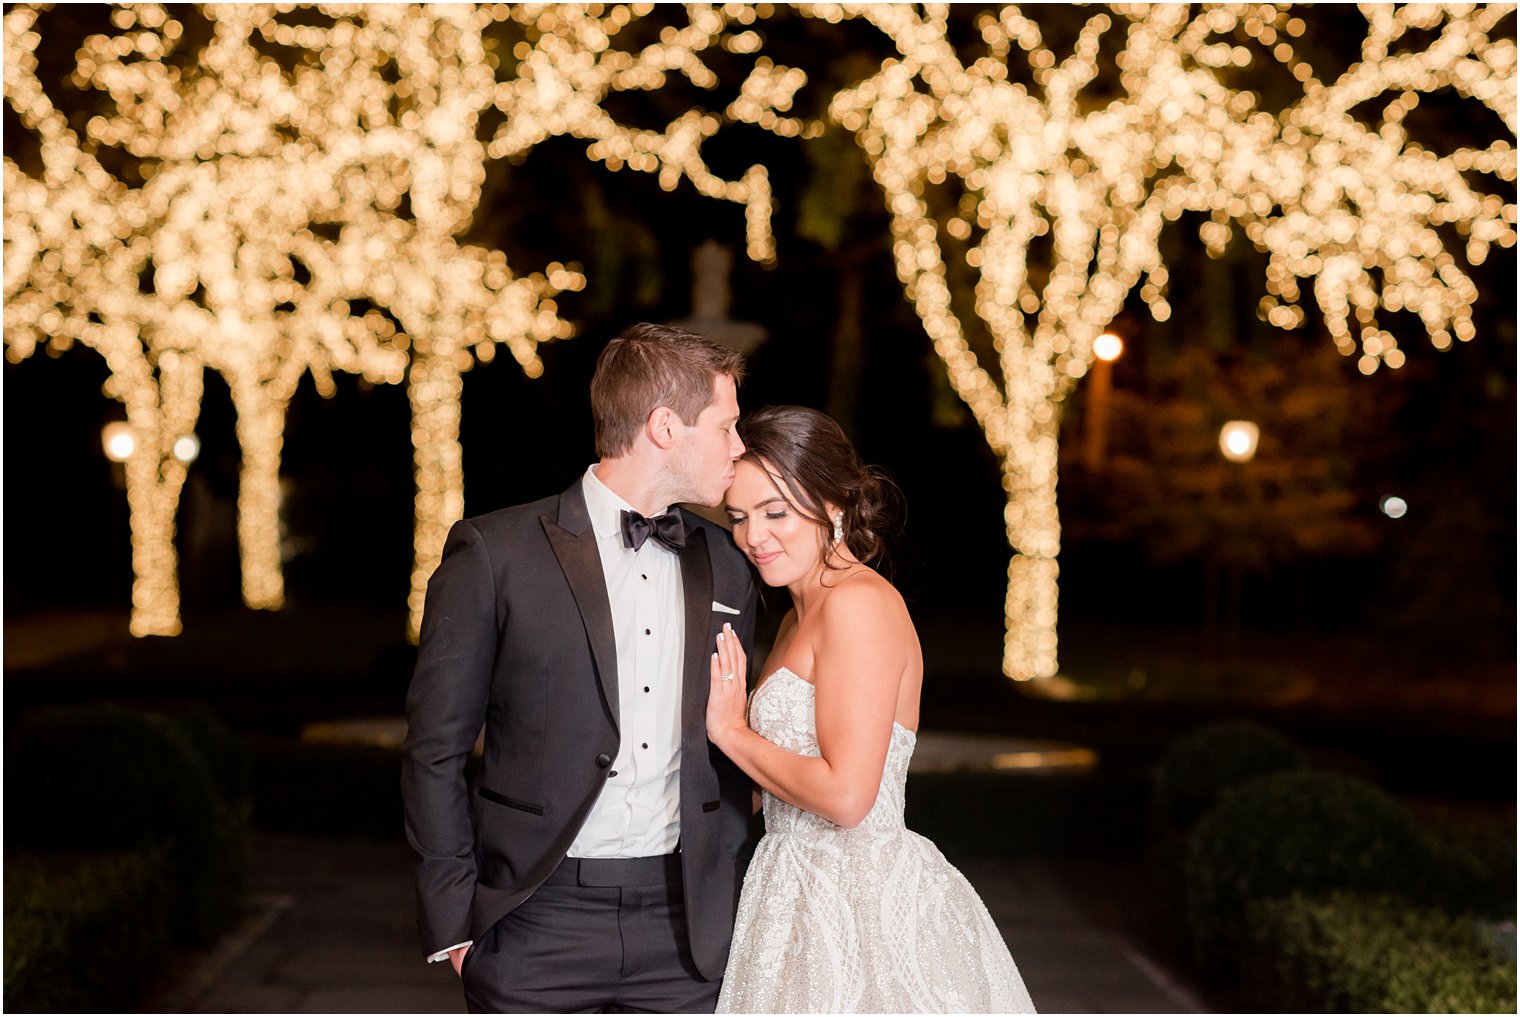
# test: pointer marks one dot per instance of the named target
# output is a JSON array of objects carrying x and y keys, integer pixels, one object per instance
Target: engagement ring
[{"x": 726, "y": 677}]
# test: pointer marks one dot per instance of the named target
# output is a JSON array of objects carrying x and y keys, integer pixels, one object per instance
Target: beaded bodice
[{"x": 781, "y": 710}]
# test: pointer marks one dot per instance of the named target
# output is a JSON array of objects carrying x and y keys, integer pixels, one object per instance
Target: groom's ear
[{"x": 659, "y": 427}]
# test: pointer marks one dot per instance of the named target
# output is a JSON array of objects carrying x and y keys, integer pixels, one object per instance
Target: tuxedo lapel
[
  {"x": 697, "y": 582},
  {"x": 574, "y": 544}
]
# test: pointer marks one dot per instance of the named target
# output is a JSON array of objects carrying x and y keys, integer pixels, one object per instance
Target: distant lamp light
[
  {"x": 118, "y": 441},
  {"x": 1237, "y": 440},
  {"x": 186, "y": 448},
  {"x": 1108, "y": 346},
  {"x": 1394, "y": 507}
]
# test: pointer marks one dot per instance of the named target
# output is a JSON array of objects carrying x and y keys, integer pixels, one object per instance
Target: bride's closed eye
[{"x": 735, "y": 520}]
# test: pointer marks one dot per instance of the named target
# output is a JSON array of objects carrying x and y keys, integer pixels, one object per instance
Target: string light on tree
[
  {"x": 118, "y": 441},
  {"x": 1238, "y": 440},
  {"x": 187, "y": 448},
  {"x": 1108, "y": 347}
]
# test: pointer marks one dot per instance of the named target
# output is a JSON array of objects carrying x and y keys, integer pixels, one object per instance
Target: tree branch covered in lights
[
  {"x": 1049, "y": 170},
  {"x": 276, "y": 193}
]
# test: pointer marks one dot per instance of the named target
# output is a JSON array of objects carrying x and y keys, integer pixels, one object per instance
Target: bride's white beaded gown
[{"x": 867, "y": 920}]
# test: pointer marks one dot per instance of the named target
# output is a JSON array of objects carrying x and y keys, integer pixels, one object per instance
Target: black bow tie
[{"x": 667, "y": 530}]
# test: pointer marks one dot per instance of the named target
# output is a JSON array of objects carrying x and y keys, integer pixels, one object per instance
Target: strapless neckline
[{"x": 784, "y": 670}]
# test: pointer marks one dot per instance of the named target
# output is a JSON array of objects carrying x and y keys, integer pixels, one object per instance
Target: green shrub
[
  {"x": 1347, "y": 953},
  {"x": 83, "y": 933},
  {"x": 226, "y": 756},
  {"x": 1298, "y": 831},
  {"x": 105, "y": 778},
  {"x": 1198, "y": 767},
  {"x": 1477, "y": 866}
]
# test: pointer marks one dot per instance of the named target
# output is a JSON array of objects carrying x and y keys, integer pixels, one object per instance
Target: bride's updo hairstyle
[{"x": 807, "y": 455}]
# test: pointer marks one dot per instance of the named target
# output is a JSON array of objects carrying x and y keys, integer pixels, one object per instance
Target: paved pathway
[{"x": 334, "y": 933}]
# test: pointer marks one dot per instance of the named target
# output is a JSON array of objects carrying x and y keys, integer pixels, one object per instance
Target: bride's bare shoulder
[
  {"x": 865, "y": 622},
  {"x": 864, "y": 597}
]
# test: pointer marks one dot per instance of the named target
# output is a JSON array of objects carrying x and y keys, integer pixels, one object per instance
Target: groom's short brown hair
[{"x": 650, "y": 366}]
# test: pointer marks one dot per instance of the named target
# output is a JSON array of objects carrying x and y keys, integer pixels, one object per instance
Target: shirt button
[
  {"x": 611, "y": 774},
  {"x": 646, "y": 688},
  {"x": 644, "y": 745},
  {"x": 646, "y": 632},
  {"x": 644, "y": 577}
]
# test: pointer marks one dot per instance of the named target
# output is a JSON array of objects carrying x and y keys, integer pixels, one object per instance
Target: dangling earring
[{"x": 838, "y": 527}]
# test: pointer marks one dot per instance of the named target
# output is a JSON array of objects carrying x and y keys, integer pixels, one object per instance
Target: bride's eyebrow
[{"x": 758, "y": 505}]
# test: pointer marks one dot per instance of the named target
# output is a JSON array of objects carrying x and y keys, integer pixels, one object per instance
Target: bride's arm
[{"x": 858, "y": 664}]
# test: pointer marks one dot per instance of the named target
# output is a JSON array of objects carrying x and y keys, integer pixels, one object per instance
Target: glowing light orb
[
  {"x": 1237, "y": 440},
  {"x": 118, "y": 441},
  {"x": 186, "y": 448}
]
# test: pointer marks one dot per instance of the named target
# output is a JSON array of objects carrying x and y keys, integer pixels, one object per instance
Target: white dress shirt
[{"x": 639, "y": 810}]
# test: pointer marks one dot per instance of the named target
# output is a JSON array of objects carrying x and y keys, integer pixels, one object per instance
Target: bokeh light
[
  {"x": 187, "y": 448},
  {"x": 1238, "y": 440},
  {"x": 118, "y": 441}
]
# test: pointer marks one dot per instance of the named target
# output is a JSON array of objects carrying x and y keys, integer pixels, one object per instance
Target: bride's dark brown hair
[{"x": 806, "y": 453}]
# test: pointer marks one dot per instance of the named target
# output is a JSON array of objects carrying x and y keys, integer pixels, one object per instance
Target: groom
[{"x": 597, "y": 864}]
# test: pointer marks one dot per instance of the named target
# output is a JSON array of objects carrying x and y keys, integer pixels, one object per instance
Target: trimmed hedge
[
  {"x": 1192, "y": 774},
  {"x": 1311, "y": 832},
  {"x": 105, "y": 778},
  {"x": 1347, "y": 953},
  {"x": 1198, "y": 768},
  {"x": 226, "y": 757},
  {"x": 83, "y": 933},
  {"x": 1478, "y": 870}
]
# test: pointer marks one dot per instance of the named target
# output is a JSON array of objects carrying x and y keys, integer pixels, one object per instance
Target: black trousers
[{"x": 600, "y": 936}]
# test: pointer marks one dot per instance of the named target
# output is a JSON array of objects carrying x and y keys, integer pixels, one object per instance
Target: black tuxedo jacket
[{"x": 517, "y": 636}]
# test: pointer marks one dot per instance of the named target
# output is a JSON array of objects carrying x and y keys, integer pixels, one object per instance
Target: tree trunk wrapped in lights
[
  {"x": 71, "y": 275},
  {"x": 155, "y": 475},
  {"x": 1052, "y": 177}
]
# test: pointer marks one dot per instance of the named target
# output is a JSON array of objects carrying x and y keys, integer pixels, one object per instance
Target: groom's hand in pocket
[{"x": 456, "y": 958}]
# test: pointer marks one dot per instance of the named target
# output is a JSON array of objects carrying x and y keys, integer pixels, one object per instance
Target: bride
[{"x": 843, "y": 909}]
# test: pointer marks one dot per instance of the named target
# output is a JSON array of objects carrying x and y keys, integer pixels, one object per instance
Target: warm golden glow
[
  {"x": 1108, "y": 347},
  {"x": 186, "y": 448},
  {"x": 1046, "y": 759},
  {"x": 118, "y": 441},
  {"x": 1237, "y": 440},
  {"x": 298, "y": 216},
  {"x": 1057, "y": 198}
]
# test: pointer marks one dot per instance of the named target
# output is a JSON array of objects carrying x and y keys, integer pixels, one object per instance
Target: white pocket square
[{"x": 724, "y": 608}]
